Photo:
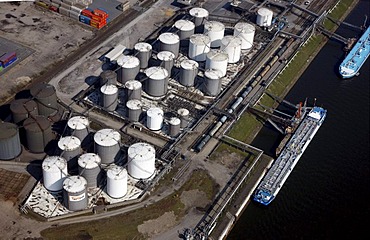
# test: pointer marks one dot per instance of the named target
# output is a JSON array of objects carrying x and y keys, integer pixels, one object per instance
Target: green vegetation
[
  {"x": 337, "y": 13},
  {"x": 124, "y": 226}
]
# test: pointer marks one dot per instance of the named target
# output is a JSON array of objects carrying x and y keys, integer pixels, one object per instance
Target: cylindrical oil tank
[
  {"x": 141, "y": 160},
  {"x": 10, "y": 144},
  {"x": 129, "y": 68},
  {"x": 107, "y": 144},
  {"x": 233, "y": 47},
  {"x": 134, "y": 109},
  {"x": 143, "y": 53},
  {"x": 116, "y": 181},
  {"x": 38, "y": 133},
  {"x": 89, "y": 168},
  {"x": 170, "y": 42},
  {"x": 79, "y": 127},
  {"x": 54, "y": 171},
  {"x": 167, "y": 60},
  {"x": 199, "y": 46},
  {"x": 109, "y": 97},
  {"x": 183, "y": 114},
  {"x": 70, "y": 147},
  {"x": 217, "y": 59},
  {"x": 174, "y": 125},
  {"x": 75, "y": 193},
  {"x": 215, "y": 31},
  {"x": 133, "y": 90},
  {"x": 157, "y": 81},
  {"x": 264, "y": 17},
  {"x": 188, "y": 72},
  {"x": 185, "y": 30},
  {"x": 108, "y": 77},
  {"x": 212, "y": 84},
  {"x": 199, "y": 15},
  {"x": 22, "y": 109},
  {"x": 46, "y": 98},
  {"x": 246, "y": 32},
  {"x": 154, "y": 118}
]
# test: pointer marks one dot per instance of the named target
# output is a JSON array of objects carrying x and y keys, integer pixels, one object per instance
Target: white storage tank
[
  {"x": 10, "y": 143},
  {"x": 116, "y": 181},
  {"x": 174, "y": 125},
  {"x": 217, "y": 59},
  {"x": 129, "y": 68},
  {"x": 212, "y": 85},
  {"x": 199, "y": 46},
  {"x": 215, "y": 30},
  {"x": 89, "y": 168},
  {"x": 70, "y": 147},
  {"x": 156, "y": 83},
  {"x": 233, "y": 48},
  {"x": 79, "y": 127},
  {"x": 143, "y": 53},
  {"x": 154, "y": 118},
  {"x": 188, "y": 72},
  {"x": 170, "y": 42},
  {"x": 184, "y": 116},
  {"x": 107, "y": 144},
  {"x": 264, "y": 17},
  {"x": 167, "y": 60},
  {"x": 246, "y": 32},
  {"x": 109, "y": 97},
  {"x": 199, "y": 14},
  {"x": 54, "y": 171},
  {"x": 134, "y": 110},
  {"x": 74, "y": 193},
  {"x": 185, "y": 29},
  {"x": 141, "y": 160},
  {"x": 133, "y": 90}
]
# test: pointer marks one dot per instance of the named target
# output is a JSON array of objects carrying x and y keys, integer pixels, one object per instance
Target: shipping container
[
  {"x": 100, "y": 13},
  {"x": 56, "y": 1},
  {"x": 53, "y": 8},
  {"x": 1, "y": 67},
  {"x": 86, "y": 13},
  {"x": 57, "y": 5},
  {"x": 76, "y": 9},
  {"x": 64, "y": 11},
  {"x": 85, "y": 19},
  {"x": 8, "y": 57},
  {"x": 9, "y": 62},
  {"x": 65, "y": 5},
  {"x": 74, "y": 15},
  {"x": 42, "y": 4},
  {"x": 69, "y": 2}
]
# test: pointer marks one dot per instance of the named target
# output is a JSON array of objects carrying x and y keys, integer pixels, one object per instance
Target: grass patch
[
  {"x": 124, "y": 226},
  {"x": 337, "y": 13}
]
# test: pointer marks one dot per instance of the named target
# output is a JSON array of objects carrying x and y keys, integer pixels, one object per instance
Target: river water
[{"x": 327, "y": 196}]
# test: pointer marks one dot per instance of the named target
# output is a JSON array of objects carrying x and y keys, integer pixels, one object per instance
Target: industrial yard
[{"x": 121, "y": 126}]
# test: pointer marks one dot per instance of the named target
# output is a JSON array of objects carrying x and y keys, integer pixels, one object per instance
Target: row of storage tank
[{"x": 141, "y": 165}]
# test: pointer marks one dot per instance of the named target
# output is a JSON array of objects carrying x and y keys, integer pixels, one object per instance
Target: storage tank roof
[
  {"x": 134, "y": 104},
  {"x": 217, "y": 55},
  {"x": 133, "y": 84},
  {"x": 156, "y": 73},
  {"x": 69, "y": 143},
  {"x": 78, "y": 122},
  {"x": 126, "y": 61},
  {"x": 107, "y": 137},
  {"x": 154, "y": 112},
  {"x": 198, "y": 12},
  {"x": 143, "y": 47},
  {"x": 264, "y": 12},
  {"x": 175, "y": 121},
  {"x": 169, "y": 38},
  {"x": 213, "y": 74},
  {"x": 7, "y": 130},
  {"x": 36, "y": 124},
  {"x": 245, "y": 27},
  {"x": 200, "y": 39},
  {"x": 184, "y": 25},
  {"x": 23, "y": 106},
  {"x": 74, "y": 184},
  {"x": 231, "y": 41},
  {"x": 214, "y": 26},
  {"x": 109, "y": 89},
  {"x": 42, "y": 90},
  {"x": 116, "y": 172},
  {"x": 141, "y": 151},
  {"x": 166, "y": 56},
  {"x": 89, "y": 160},
  {"x": 189, "y": 64},
  {"x": 54, "y": 164},
  {"x": 183, "y": 112}
]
